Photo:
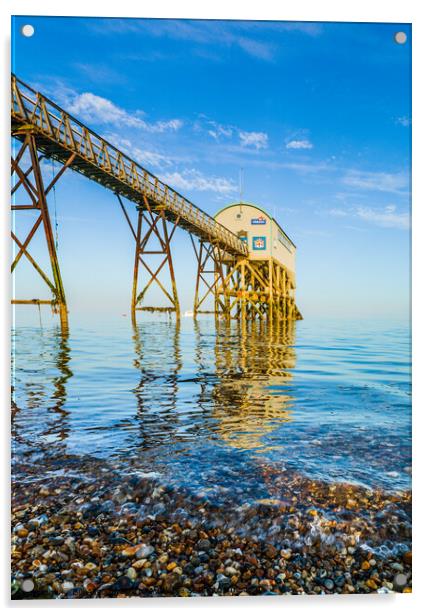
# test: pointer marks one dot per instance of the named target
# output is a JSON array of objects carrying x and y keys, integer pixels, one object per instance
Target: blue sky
[{"x": 318, "y": 115}]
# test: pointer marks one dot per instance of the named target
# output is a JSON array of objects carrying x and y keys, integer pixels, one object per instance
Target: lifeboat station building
[{"x": 263, "y": 283}]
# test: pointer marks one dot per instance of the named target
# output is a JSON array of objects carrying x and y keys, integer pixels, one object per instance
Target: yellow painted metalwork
[
  {"x": 242, "y": 288},
  {"x": 59, "y": 134}
]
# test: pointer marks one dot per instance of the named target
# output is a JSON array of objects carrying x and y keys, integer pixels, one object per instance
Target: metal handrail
[{"x": 31, "y": 107}]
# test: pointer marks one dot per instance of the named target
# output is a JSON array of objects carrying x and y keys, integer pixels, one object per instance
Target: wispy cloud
[
  {"x": 388, "y": 217},
  {"x": 192, "y": 179},
  {"x": 253, "y": 139},
  {"x": 299, "y": 144},
  {"x": 382, "y": 217},
  {"x": 218, "y": 131},
  {"x": 146, "y": 157},
  {"x": 336, "y": 211},
  {"x": 243, "y": 35},
  {"x": 238, "y": 137},
  {"x": 100, "y": 73},
  {"x": 376, "y": 181},
  {"x": 404, "y": 121},
  {"x": 96, "y": 109}
]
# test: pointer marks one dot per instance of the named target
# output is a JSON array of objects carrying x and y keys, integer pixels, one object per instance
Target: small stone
[
  {"x": 271, "y": 551},
  {"x": 371, "y": 584},
  {"x": 67, "y": 585},
  {"x": 89, "y": 585},
  {"x": 365, "y": 565},
  {"x": 184, "y": 592},
  {"x": 171, "y": 566},
  {"x": 204, "y": 544},
  {"x": 339, "y": 581},
  {"x": 144, "y": 551},
  {"x": 286, "y": 554},
  {"x": 400, "y": 580},
  {"x": 22, "y": 533},
  {"x": 329, "y": 584},
  {"x": 223, "y": 581},
  {"x": 131, "y": 573},
  {"x": 139, "y": 564},
  {"x": 407, "y": 558},
  {"x": 177, "y": 570}
]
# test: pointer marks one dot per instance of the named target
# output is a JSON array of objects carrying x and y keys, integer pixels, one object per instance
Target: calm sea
[{"x": 203, "y": 406}]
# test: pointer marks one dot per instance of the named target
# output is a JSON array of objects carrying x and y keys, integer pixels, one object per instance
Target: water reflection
[
  {"x": 252, "y": 360},
  {"x": 208, "y": 398},
  {"x": 39, "y": 391},
  {"x": 217, "y": 385},
  {"x": 158, "y": 360}
]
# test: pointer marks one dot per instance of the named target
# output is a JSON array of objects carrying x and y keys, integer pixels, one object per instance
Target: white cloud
[
  {"x": 253, "y": 139},
  {"x": 192, "y": 179},
  {"x": 95, "y": 109},
  {"x": 388, "y": 217},
  {"x": 219, "y": 130},
  {"x": 378, "y": 181},
  {"x": 258, "y": 49},
  {"x": 382, "y": 217},
  {"x": 335, "y": 211},
  {"x": 299, "y": 144},
  {"x": 404, "y": 121},
  {"x": 145, "y": 157}
]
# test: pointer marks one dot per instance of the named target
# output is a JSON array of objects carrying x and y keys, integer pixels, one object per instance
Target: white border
[{"x": 405, "y": 11}]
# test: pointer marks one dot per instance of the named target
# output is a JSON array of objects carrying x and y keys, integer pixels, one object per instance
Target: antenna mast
[{"x": 241, "y": 186}]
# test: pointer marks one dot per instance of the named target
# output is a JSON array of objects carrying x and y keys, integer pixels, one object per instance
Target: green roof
[
  {"x": 244, "y": 203},
  {"x": 257, "y": 207}
]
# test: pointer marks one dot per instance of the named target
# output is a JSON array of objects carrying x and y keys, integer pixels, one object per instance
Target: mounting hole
[
  {"x": 27, "y": 30},
  {"x": 400, "y": 38},
  {"x": 27, "y": 585}
]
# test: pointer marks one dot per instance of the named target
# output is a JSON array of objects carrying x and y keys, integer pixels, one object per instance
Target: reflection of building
[{"x": 252, "y": 369}]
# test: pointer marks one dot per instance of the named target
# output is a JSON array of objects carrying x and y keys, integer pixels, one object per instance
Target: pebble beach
[{"x": 222, "y": 465}]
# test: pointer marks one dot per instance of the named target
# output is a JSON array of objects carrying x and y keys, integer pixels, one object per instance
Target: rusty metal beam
[
  {"x": 61, "y": 136},
  {"x": 31, "y": 180}
]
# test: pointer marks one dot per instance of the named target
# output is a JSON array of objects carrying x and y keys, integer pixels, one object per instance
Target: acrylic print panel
[{"x": 211, "y": 340}]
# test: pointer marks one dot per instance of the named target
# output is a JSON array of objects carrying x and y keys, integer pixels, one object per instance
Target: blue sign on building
[
  {"x": 258, "y": 221},
  {"x": 259, "y": 243}
]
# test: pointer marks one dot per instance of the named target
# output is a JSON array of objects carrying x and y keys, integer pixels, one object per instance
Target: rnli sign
[
  {"x": 259, "y": 243},
  {"x": 258, "y": 221}
]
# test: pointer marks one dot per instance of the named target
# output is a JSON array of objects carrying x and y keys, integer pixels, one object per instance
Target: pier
[{"x": 243, "y": 280}]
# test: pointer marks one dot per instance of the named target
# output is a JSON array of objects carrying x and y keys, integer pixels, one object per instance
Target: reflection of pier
[
  {"x": 247, "y": 395},
  {"x": 157, "y": 389},
  {"x": 50, "y": 431}
]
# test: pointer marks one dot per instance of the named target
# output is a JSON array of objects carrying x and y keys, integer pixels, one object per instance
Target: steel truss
[
  {"x": 31, "y": 180},
  {"x": 157, "y": 227},
  {"x": 210, "y": 277},
  {"x": 245, "y": 289}
]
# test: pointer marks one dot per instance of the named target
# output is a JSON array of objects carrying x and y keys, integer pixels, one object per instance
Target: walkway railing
[{"x": 59, "y": 135}]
